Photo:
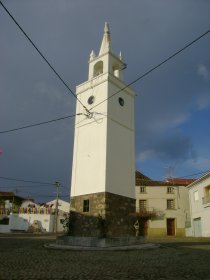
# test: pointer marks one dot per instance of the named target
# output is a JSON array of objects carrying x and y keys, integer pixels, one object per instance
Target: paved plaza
[{"x": 25, "y": 257}]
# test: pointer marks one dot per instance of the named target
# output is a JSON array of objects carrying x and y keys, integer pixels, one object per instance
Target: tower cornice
[{"x": 106, "y": 77}]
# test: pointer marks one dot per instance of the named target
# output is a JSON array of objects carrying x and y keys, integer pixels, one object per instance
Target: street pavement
[{"x": 23, "y": 256}]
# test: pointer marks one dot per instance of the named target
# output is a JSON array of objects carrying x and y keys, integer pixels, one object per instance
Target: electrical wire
[
  {"x": 20, "y": 187},
  {"x": 45, "y": 59},
  {"x": 30, "y": 187},
  {"x": 88, "y": 111},
  {"x": 37, "y": 124},
  {"x": 56, "y": 73},
  {"x": 190, "y": 175},
  {"x": 51, "y": 195},
  {"x": 26, "y": 181},
  {"x": 153, "y": 68}
]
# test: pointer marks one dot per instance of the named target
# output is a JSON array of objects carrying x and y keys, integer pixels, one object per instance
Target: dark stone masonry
[{"x": 108, "y": 215}]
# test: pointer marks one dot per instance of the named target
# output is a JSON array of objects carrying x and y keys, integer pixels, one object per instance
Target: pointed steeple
[{"x": 106, "y": 41}]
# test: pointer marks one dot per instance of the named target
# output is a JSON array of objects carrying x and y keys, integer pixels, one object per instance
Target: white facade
[
  {"x": 62, "y": 205},
  {"x": 103, "y": 159},
  {"x": 199, "y": 196},
  {"x": 31, "y": 212},
  {"x": 29, "y": 203},
  {"x": 23, "y": 221},
  {"x": 169, "y": 204}
]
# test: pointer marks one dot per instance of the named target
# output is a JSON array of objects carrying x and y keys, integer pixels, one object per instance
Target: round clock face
[
  {"x": 121, "y": 101},
  {"x": 91, "y": 100}
]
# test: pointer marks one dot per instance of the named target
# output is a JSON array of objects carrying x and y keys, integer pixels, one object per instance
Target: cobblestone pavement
[{"x": 24, "y": 257}]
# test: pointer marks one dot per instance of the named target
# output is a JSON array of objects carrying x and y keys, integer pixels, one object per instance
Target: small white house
[
  {"x": 62, "y": 205},
  {"x": 199, "y": 197},
  {"x": 29, "y": 203},
  {"x": 42, "y": 217}
]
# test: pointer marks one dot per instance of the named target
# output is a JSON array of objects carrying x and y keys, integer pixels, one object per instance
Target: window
[
  {"x": 196, "y": 197},
  {"x": 91, "y": 99},
  {"x": 98, "y": 68},
  {"x": 170, "y": 204},
  {"x": 121, "y": 101},
  {"x": 62, "y": 221},
  {"x": 170, "y": 190},
  {"x": 116, "y": 70},
  {"x": 86, "y": 205},
  {"x": 142, "y": 189},
  {"x": 142, "y": 205}
]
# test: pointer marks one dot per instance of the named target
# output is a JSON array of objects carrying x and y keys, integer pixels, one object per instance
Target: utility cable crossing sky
[
  {"x": 88, "y": 113},
  {"x": 45, "y": 59}
]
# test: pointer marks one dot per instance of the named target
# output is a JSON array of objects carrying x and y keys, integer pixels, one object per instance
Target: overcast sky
[{"x": 172, "y": 106}]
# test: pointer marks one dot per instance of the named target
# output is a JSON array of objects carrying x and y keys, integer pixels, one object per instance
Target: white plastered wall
[{"x": 198, "y": 209}]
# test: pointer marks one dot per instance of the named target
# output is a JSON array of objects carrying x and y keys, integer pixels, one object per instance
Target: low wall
[
  {"x": 4, "y": 228},
  {"x": 99, "y": 242},
  {"x": 46, "y": 220},
  {"x": 21, "y": 222}
]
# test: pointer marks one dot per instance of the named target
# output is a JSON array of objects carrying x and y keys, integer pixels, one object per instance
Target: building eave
[{"x": 204, "y": 177}]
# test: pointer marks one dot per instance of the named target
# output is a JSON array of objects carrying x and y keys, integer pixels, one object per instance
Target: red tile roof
[
  {"x": 142, "y": 180},
  {"x": 9, "y": 194},
  {"x": 141, "y": 176},
  {"x": 180, "y": 181}
]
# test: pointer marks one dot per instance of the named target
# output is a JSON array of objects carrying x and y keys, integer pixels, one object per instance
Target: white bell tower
[{"x": 103, "y": 171}]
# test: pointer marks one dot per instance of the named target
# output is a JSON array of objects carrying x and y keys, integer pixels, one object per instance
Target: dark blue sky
[{"x": 172, "y": 110}]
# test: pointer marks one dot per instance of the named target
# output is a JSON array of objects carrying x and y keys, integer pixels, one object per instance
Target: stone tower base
[{"x": 109, "y": 215}]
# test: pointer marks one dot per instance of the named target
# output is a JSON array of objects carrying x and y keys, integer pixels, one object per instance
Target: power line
[
  {"x": 190, "y": 175},
  {"x": 20, "y": 187},
  {"x": 45, "y": 59},
  {"x": 38, "y": 124},
  {"x": 25, "y": 181},
  {"x": 88, "y": 111},
  {"x": 39, "y": 195},
  {"x": 29, "y": 188},
  {"x": 155, "y": 67}
]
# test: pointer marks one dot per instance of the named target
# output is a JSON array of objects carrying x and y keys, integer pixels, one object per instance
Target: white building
[
  {"x": 162, "y": 206},
  {"x": 41, "y": 217},
  {"x": 63, "y": 206},
  {"x": 29, "y": 203},
  {"x": 103, "y": 171},
  {"x": 199, "y": 196}
]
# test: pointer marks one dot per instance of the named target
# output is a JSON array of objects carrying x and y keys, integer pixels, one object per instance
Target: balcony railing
[
  {"x": 206, "y": 199},
  {"x": 148, "y": 212}
]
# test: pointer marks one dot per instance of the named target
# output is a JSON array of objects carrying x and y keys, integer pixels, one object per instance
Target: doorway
[
  {"x": 197, "y": 227},
  {"x": 143, "y": 227},
  {"x": 171, "y": 227}
]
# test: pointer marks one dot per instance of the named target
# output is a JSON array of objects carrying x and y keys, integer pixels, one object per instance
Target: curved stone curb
[{"x": 121, "y": 248}]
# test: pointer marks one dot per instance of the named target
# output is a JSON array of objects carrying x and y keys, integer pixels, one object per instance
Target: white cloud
[
  {"x": 171, "y": 121},
  {"x": 146, "y": 155},
  {"x": 202, "y": 71},
  {"x": 203, "y": 101}
]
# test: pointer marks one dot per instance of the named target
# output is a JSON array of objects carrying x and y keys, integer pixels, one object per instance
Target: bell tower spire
[
  {"x": 106, "y": 41},
  {"x": 106, "y": 61},
  {"x": 103, "y": 169}
]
